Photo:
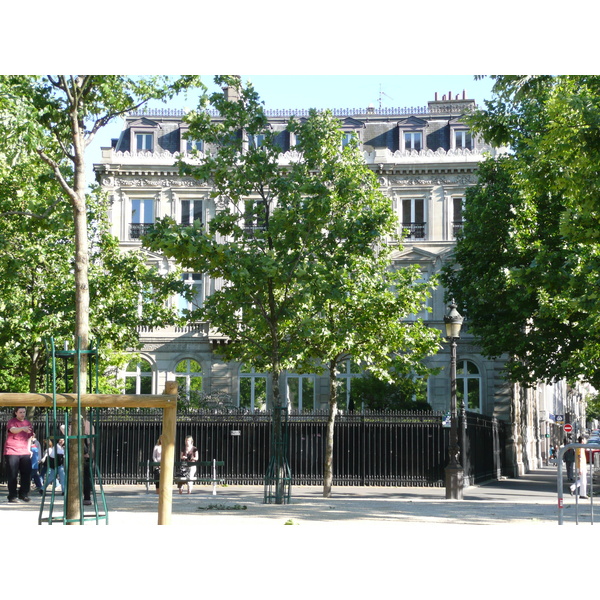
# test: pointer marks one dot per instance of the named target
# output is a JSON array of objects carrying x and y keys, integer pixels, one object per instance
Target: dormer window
[
  {"x": 411, "y": 134},
  {"x": 346, "y": 138},
  {"x": 144, "y": 142},
  {"x": 351, "y": 130},
  {"x": 191, "y": 145},
  {"x": 460, "y": 136},
  {"x": 462, "y": 139},
  {"x": 143, "y": 135},
  {"x": 413, "y": 140},
  {"x": 256, "y": 140},
  {"x": 187, "y": 144}
]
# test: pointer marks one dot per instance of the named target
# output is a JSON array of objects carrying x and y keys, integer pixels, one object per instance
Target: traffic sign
[{"x": 568, "y": 427}]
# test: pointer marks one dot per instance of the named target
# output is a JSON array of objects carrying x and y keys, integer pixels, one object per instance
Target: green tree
[
  {"x": 300, "y": 250},
  {"x": 359, "y": 305},
  {"x": 406, "y": 393},
  {"x": 55, "y": 117},
  {"x": 37, "y": 287},
  {"x": 526, "y": 266}
]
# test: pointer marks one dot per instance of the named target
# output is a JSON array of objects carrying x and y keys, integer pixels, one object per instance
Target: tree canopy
[
  {"x": 50, "y": 120},
  {"x": 300, "y": 248},
  {"x": 526, "y": 266}
]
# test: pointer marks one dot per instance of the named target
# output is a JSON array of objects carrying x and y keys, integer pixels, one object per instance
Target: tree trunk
[
  {"x": 33, "y": 374},
  {"x": 328, "y": 466},
  {"x": 278, "y": 450},
  {"x": 82, "y": 327}
]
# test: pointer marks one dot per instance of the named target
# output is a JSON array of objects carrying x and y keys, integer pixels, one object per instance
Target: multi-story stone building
[{"x": 424, "y": 158}]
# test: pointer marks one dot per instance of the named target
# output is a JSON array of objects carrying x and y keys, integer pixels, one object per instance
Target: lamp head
[{"x": 453, "y": 321}]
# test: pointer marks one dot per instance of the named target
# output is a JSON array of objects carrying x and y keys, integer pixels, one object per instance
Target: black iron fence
[{"x": 386, "y": 449}]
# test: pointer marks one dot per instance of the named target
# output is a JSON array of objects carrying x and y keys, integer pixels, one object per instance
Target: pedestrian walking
[
  {"x": 55, "y": 456},
  {"x": 569, "y": 459},
  {"x": 36, "y": 455}
]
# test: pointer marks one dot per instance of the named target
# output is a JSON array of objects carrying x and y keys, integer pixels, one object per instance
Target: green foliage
[
  {"x": 45, "y": 287},
  {"x": 301, "y": 249},
  {"x": 37, "y": 287},
  {"x": 526, "y": 266},
  {"x": 406, "y": 393},
  {"x": 593, "y": 408}
]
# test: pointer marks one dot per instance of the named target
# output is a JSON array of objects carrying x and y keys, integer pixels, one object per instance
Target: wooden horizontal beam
[{"x": 91, "y": 400}]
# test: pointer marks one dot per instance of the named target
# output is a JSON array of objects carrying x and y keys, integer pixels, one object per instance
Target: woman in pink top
[{"x": 17, "y": 455}]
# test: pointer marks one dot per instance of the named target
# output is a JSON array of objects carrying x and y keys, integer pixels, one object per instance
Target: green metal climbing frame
[
  {"x": 278, "y": 479},
  {"x": 87, "y": 442}
]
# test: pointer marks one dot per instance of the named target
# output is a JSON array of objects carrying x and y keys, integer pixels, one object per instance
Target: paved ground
[
  {"x": 531, "y": 499},
  {"x": 364, "y": 542}
]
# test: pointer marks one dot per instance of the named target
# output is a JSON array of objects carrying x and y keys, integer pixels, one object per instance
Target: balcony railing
[
  {"x": 414, "y": 231},
  {"x": 251, "y": 230},
  {"x": 457, "y": 227},
  {"x": 137, "y": 230}
]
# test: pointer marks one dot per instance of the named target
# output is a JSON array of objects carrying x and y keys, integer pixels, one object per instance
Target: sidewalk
[{"x": 531, "y": 499}]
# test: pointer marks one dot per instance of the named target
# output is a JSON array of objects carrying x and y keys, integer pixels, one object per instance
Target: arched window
[
  {"x": 468, "y": 385},
  {"x": 188, "y": 374},
  {"x": 300, "y": 392},
  {"x": 138, "y": 377},
  {"x": 252, "y": 389}
]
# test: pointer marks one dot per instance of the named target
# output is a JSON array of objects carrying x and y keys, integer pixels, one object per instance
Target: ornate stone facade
[{"x": 425, "y": 159}]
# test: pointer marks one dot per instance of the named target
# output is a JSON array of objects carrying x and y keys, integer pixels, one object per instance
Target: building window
[
  {"x": 255, "y": 140},
  {"x": 191, "y": 210},
  {"x": 144, "y": 142},
  {"x": 188, "y": 374},
  {"x": 413, "y": 218},
  {"x": 254, "y": 217},
  {"x": 345, "y": 372},
  {"x": 347, "y": 138},
  {"x": 252, "y": 389},
  {"x": 413, "y": 140},
  {"x": 457, "y": 215},
  {"x": 194, "y": 280},
  {"x": 138, "y": 377},
  {"x": 468, "y": 385},
  {"x": 191, "y": 145},
  {"x": 142, "y": 217},
  {"x": 300, "y": 392},
  {"x": 462, "y": 139}
]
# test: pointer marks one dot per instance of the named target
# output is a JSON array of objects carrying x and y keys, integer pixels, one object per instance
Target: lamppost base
[{"x": 454, "y": 482}]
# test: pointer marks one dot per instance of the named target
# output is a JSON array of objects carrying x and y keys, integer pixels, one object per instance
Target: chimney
[{"x": 231, "y": 92}]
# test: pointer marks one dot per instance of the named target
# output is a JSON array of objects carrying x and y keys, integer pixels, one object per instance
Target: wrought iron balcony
[
  {"x": 414, "y": 231},
  {"x": 457, "y": 227},
  {"x": 137, "y": 230}
]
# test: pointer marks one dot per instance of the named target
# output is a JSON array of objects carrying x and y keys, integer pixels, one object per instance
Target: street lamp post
[{"x": 454, "y": 471}]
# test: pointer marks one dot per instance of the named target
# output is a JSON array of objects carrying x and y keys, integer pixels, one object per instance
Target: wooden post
[
  {"x": 167, "y": 459},
  {"x": 167, "y": 401}
]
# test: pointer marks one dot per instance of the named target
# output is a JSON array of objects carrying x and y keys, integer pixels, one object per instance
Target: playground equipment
[
  {"x": 85, "y": 435},
  {"x": 278, "y": 479},
  {"x": 74, "y": 401}
]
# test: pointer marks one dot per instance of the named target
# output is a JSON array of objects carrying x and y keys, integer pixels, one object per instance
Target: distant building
[{"x": 424, "y": 158}]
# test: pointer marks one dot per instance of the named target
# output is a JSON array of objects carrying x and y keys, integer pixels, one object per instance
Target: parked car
[{"x": 591, "y": 452}]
